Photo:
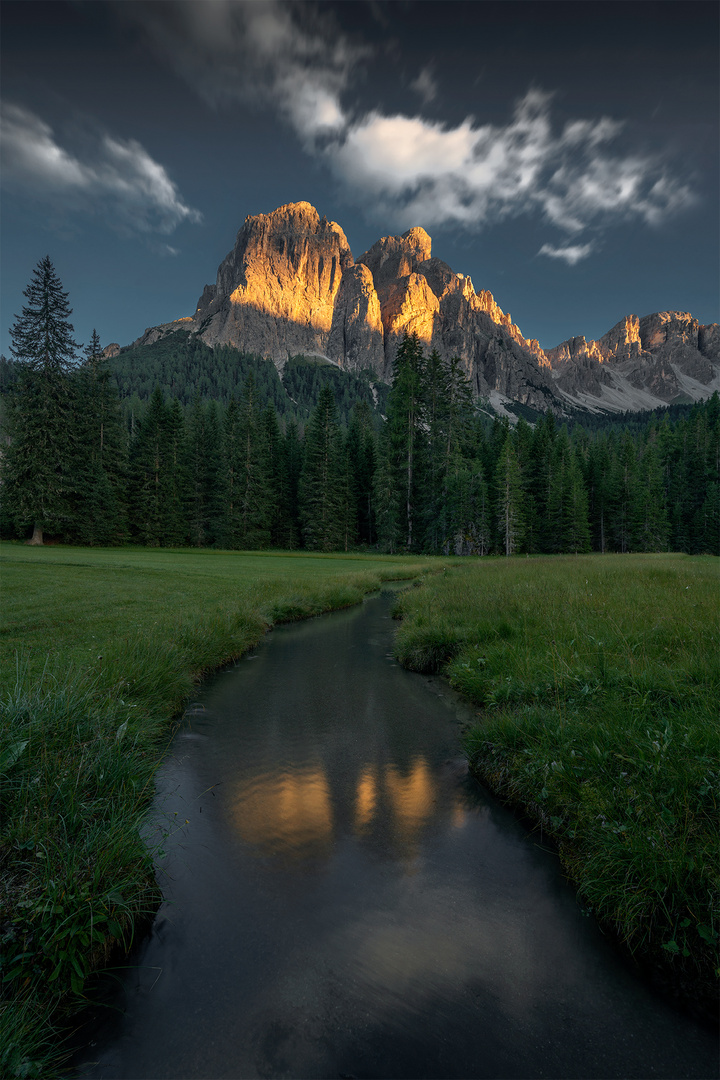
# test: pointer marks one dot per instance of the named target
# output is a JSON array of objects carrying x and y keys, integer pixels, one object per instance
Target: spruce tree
[
  {"x": 406, "y": 421},
  {"x": 38, "y": 469},
  {"x": 149, "y": 482},
  {"x": 247, "y": 519},
  {"x": 623, "y": 493},
  {"x": 387, "y": 496},
  {"x": 101, "y": 452},
  {"x": 362, "y": 453},
  {"x": 509, "y": 498},
  {"x": 282, "y": 532},
  {"x": 178, "y": 480},
  {"x": 321, "y": 492},
  {"x": 567, "y": 508},
  {"x": 651, "y": 528}
]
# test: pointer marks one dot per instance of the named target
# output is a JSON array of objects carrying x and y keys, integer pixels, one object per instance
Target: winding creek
[{"x": 344, "y": 901}]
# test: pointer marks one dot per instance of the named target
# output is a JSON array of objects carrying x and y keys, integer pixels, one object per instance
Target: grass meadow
[
  {"x": 99, "y": 650},
  {"x": 597, "y": 683}
]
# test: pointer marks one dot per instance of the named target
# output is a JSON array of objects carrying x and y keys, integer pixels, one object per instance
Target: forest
[{"x": 235, "y": 457}]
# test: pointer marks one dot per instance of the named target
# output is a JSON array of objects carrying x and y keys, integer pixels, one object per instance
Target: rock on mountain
[
  {"x": 640, "y": 364},
  {"x": 290, "y": 285}
]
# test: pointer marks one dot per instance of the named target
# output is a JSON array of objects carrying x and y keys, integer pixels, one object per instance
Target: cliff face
[
  {"x": 640, "y": 363},
  {"x": 290, "y": 285},
  {"x": 275, "y": 292}
]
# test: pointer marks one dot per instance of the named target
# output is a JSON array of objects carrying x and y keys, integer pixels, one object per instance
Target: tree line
[{"x": 438, "y": 477}]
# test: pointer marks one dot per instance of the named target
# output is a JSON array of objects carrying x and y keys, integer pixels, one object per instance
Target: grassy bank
[
  {"x": 597, "y": 679},
  {"x": 99, "y": 650}
]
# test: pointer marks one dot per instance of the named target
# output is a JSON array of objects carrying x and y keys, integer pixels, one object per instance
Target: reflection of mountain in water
[
  {"x": 286, "y": 814},
  {"x": 291, "y": 813}
]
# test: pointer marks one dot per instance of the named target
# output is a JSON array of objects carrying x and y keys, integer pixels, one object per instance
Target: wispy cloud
[
  {"x": 119, "y": 176},
  {"x": 409, "y": 169},
  {"x": 425, "y": 85},
  {"x": 471, "y": 174},
  {"x": 571, "y": 253},
  {"x": 290, "y": 55}
]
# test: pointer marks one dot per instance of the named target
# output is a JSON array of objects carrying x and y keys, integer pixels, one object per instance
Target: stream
[{"x": 343, "y": 900}]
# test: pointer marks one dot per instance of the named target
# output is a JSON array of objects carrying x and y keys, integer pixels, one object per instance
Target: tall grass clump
[
  {"x": 75, "y": 777},
  {"x": 597, "y": 683},
  {"x": 99, "y": 650}
]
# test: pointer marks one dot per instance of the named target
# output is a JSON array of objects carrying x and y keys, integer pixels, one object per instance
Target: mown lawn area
[
  {"x": 597, "y": 683},
  {"x": 99, "y": 649}
]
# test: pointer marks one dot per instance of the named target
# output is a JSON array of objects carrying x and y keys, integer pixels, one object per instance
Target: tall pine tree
[
  {"x": 39, "y": 468},
  {"x": 322, "y": 497}
]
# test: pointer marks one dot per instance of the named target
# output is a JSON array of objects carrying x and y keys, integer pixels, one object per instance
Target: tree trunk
[{"x": 37, "y": 536}]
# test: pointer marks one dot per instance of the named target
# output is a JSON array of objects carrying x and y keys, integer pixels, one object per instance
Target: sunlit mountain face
[{"x": 562, "y": 156}]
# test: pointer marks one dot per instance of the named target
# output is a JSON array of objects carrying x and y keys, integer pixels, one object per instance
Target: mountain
[
  {"x": 640, "y": 364},
  {"x": 291, "y": 286}
]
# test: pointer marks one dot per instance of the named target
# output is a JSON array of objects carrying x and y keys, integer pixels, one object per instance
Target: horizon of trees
[{"x": 436, "y": 476}]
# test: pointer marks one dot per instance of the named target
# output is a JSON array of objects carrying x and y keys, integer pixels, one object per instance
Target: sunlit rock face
[
  {"x": 275, "y": 292},
  {"x": 421, "y": 294},
  {"x": 290, "y": 285}
]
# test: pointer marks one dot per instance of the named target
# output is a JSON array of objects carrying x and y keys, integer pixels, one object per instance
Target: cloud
[
  {"x": 121, "y": 177},
  {"x": 425, "y": 85},
  {"x": 475, "y": 175},
  {"x": 408, "y": 169},
  {"x": 289, "y": 55},
  {"x": 571, "y": 253}
]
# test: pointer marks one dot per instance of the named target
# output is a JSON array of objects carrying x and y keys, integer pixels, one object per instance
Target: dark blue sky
[{"x": 564, "y": 155}]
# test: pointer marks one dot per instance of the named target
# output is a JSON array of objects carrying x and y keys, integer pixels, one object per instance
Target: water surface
[{"x": 342, "y": 900}]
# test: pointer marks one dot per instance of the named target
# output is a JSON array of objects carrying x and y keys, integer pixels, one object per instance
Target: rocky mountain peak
[{"x": 290, "y": 285}]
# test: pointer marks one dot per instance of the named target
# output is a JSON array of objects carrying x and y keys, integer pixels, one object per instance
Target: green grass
[
  {"x": 597, "y": 681},
  {"x": 99, "y": 649}
]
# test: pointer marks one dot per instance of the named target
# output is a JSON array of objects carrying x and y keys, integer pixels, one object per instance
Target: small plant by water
[{"x": 596, "y": 680}]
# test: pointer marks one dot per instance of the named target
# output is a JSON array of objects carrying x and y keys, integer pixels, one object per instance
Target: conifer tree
[
  {"x": 597, "y": 486},
  {"x": 567, "y": 508},
  {"x": 39, "y": 481},
  {"x": 406, "y": 421},
  {"x": 283, "y": 532},
  {"x": 436, "y": 400},
  {"x": 360, "y": 450},
  {"x": 651, "y": 528},
  {"x": 293, "y": 457},
  {"x": 248, "y": 512},
  {"x": 204, "y": 465},
  {"x": 149, "y": 485},
  {"x": 178, "y": 481},
  {"x": 321, "y": 489},
  {"x": 387, "y": 495},
  {"x": 101, "y": 457},
  {"x": 623, "y": 491},
  {"x": 509, "y": 498}
]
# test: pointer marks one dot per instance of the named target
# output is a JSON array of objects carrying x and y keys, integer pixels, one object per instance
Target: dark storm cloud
[{"x": 119, "y": 177}]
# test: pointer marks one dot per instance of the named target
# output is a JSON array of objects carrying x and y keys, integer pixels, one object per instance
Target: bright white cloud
[
  {"x": 121, "y": 176},
  {"x": 475, "y": 175},
  {"x": 571, "y": 253},
  {"x": 409, "y": 169}
]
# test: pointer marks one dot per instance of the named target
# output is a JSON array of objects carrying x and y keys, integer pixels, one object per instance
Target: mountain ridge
[{"x": 291, "y": 286}]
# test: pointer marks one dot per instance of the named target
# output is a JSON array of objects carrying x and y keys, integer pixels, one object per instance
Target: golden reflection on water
[
  {"x": 365, "y": 798},
  {"x": 411, "y": 797},
  {"x": 291, "y": 814},
  {"x": 286, "y": 813}
]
